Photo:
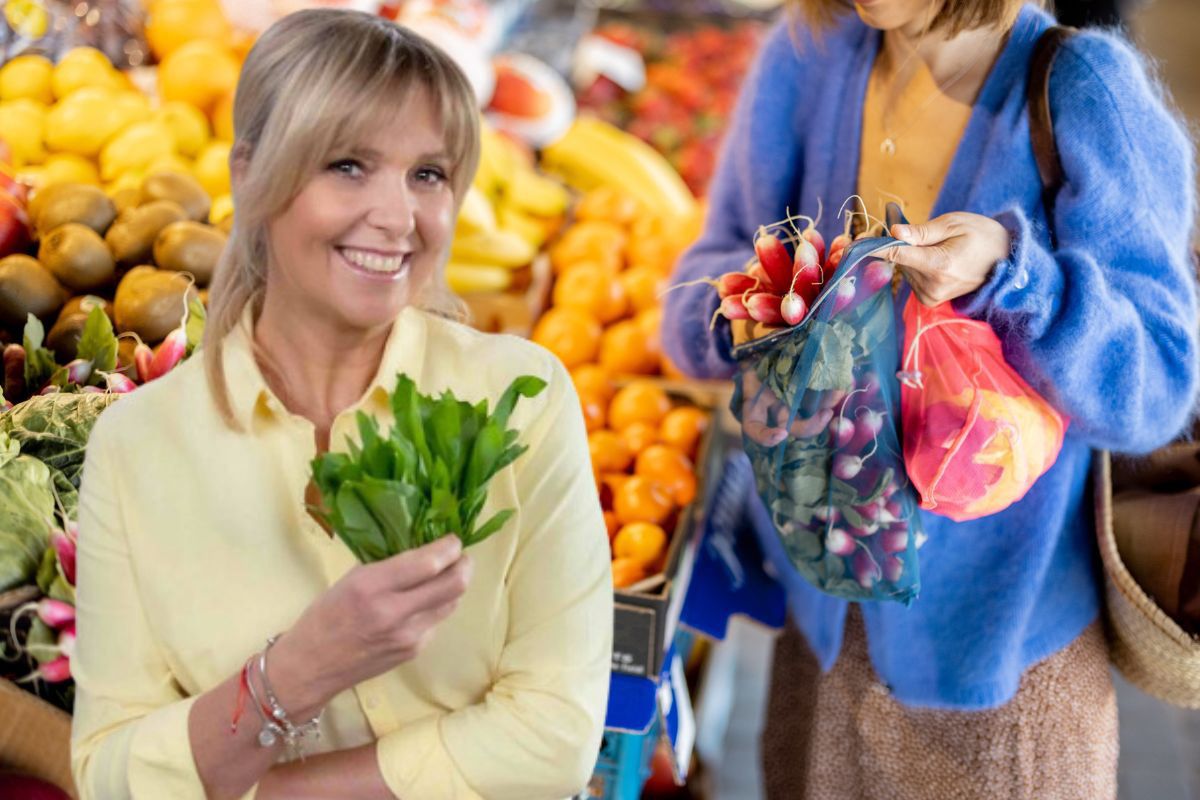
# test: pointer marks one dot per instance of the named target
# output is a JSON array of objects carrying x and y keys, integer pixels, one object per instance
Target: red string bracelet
[{"x": 243, "y": 690}]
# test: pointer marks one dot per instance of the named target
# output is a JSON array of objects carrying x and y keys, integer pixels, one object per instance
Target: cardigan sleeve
[{"x": 1104, "y": 321}]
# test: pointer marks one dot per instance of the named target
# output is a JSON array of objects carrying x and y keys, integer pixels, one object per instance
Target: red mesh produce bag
[{"x": 976, "y": 435}]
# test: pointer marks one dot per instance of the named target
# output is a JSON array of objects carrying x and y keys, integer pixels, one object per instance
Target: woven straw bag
[{"x": 1147, "y": 646}]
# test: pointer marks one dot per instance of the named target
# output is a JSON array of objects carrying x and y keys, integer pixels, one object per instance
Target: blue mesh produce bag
[{"x": 819, "y": 405}]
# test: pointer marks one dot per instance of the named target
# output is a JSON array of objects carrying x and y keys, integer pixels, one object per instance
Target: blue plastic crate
[{"x": 624, "y": 764}]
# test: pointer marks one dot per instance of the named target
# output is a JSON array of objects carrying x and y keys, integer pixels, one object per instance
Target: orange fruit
[
  {"x": 669, "y": 370},
  {"x": 570, "y": 334},
  {"x": 639, "y": 401},
  {"x": 644, "y": 542},
  {"x": 200, "y": 72},
  {"x": 626, "y": 572},
  {"x": 641, "y": 499},
  {"x": 625, "y": 350},
  {"x": 643, "y": 285},
  {"x": 171, "y": 25},
  {"x": 649, "y": 322},
  {"x": 653, "y": 252},
  {"x": 682, "y": 428},
  {"x": 593, "y": 289},
  {"x": 612, "y": 524},
  {"x": 608, "y": 204},
  {"x": 222, "y": 118},
  {"x": 590, "y": 241},
  {"x": 595, "y": 409},
  {"x": 639, "y": 436},
  {"x": 593, "y": 379},
  {"x": 610, "y": 486},
  {"x": 668, "y": 466},
  {"x": 609, "y": 453}
]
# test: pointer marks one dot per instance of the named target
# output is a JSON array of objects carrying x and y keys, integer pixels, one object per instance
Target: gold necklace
[{"x": 888, "y": 146}]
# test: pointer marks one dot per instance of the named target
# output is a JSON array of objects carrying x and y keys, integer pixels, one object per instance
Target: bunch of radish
[
  {"x": 56, "y": 647},
  {"x": 792, "y": 270}
]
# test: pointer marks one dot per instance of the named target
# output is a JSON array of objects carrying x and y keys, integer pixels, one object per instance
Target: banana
[
  {"x": 469, "y": 278},
  {"x": 593, "y": 153},
  {"x": 537, "y": 195},
  {"x": 496, "y": 164},
  {"x": 476, "y": 214},
  {"x": 533, "y": 230},
  {"x": 500, "y": 247}
]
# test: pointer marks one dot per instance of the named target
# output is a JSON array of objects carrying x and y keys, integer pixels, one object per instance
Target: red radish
[
  {"x": 764, "y": 307},
  {"x": 736, "y": 283},
  {"x": 870, "y": 512},
  {"x": 895, "y": 539},
  {"x": 815, "y": 238},
  {"x": 866, "y": 428},
  {"x": 843, "y": 295},
  {"x": 828, "y": 514},
  {"x": 793, "y": 308},
  {"x": 807, "y": 281},
  {"x": 763, "y": 433},
  {"x": 55, "y": 671},
  {"x": 78, "y": 371},
  {"x": 866, "y": 571},
  {"x": 838, "y": 542},
  {"x": 169, "y": 353},
  {"x": 774, "y": 257},
  {"x": 50, "y": 389},
  {"x": 806, "y": 256},
  {"x": 756, "y": 272},
  {"x": 142, "y": 356},
  {"x": 893, "y": 568},
  {"x": 893, "y": 506},
  {"x": 118, "y": 383},
  {"x": 66, "y": 640},
  {"x": 841, "y": 429},
  {"x": 732, "y": 307},
  {"x": 869, "y": 529},
  {"x": 55, "y": 613},
  {"x": 877, "y": 275},
  {"x": 846, "y": 467},
  {"x": 835, "y": 258},
  {"x": 839, "y": 243},
  {"x": 13, "y": 385},
  {"x": 64, "y": 547}
]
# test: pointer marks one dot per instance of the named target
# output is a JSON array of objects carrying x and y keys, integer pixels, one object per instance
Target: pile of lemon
[{"x": 84, "y": 121}]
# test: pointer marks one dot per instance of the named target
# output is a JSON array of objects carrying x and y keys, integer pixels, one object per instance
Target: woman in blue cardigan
[{"x": 995, "y": 682}]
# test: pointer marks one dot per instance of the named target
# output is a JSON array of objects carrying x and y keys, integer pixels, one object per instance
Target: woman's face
[
  {"x": 887, "y": 15},
  {"x": 369, "y": 231}
]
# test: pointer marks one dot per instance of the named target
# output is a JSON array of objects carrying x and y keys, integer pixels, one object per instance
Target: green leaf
[
  {"x": 39, "y": 362},
  {"x": 358, "y": 527},
  {"x": 832, "y": 364},
  {"x": 804, "y": 545},
  {"x": 525, "y": 386},
  {"x": 196, "y": 322},
  {"x": 98, "y": 342},
  {"x": 491, "y": 526}
]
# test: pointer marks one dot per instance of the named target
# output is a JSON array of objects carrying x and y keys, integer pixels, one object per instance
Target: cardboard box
[
  {"x": 647, "y": 613},
  {"x": 35, "y": 738}
]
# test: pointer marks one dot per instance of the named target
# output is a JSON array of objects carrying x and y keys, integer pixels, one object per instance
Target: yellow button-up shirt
[{"x": 195, "y": 546}]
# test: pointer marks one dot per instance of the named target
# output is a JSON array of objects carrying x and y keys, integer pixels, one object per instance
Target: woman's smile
[{"x": 387, "y": 265}]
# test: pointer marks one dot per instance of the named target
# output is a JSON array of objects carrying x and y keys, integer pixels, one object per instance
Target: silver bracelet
[{"x": 278, "y": 725}]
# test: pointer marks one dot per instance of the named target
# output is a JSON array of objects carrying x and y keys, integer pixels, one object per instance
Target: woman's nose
[{"x": 391, "y": 208}]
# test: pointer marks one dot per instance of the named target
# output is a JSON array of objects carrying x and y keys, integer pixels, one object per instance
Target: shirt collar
[{"x": 252, "y": 399}]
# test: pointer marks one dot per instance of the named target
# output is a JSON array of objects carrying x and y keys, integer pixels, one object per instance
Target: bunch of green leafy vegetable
[
  {"x": 26, "y": 513},
  {"x": 427, "y": 477}
]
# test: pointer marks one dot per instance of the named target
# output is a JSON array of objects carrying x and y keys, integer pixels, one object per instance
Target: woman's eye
[
  {"x": 348, "y": 167},
  {"x": 431, "y": 175}
]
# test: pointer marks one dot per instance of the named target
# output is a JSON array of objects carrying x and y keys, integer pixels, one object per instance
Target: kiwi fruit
[
  {"x": 189, "y": 247},
  {"x": 79, "y": 203},
  {"x": 125, "y": 199},
  {"x": 150, "y": 302},
  {"x": 63, "y": 338},
  {"x": 77, "y": 256},
  {"x": 178, "y": 188},
  {"x": 84, "y": 304},
  {"x": 131, "y": 238},
  {"x": 26, "y": 287}
]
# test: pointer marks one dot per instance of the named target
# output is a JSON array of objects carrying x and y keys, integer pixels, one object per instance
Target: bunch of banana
[
  {"x": 507, "y": 215},
  {"x": 594, "y": 153}
]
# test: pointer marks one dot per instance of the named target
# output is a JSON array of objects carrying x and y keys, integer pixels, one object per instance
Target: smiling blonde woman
[{"x": 429, "y": 675}]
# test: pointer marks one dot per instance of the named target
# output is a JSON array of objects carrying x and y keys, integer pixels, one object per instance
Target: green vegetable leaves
[
  {"x": 39, "y": 362},
  {"x": 427, "y": 477},
  {"x": 26, "y": 513},
  {"x": 98, "y": 342}
]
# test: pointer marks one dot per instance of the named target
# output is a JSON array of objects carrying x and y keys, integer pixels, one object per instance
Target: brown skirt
[{"x": 841, "y": 736}]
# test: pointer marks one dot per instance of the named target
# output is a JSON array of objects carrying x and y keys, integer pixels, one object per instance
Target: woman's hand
[
  {"x": 377, "y": 616},
  {"x": 950, "y": 256}
]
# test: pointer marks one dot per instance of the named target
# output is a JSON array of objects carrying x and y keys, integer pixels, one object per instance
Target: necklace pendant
[{"x": 888, "y": 147}]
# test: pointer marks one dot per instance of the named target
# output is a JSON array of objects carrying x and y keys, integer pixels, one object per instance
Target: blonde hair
[
  {"x": 952, "y": 18},
  {"x": 314, "y": 82}
]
